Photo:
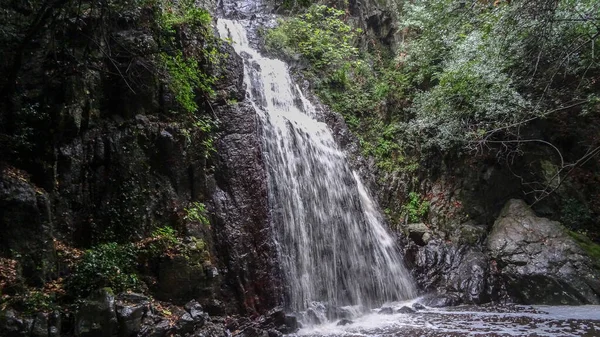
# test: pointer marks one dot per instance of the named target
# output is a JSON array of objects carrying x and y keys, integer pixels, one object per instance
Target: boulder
[
  {"x": 344, "y": 322},
  {"x": 40, "y": 325},
  {"x": 405, "y": 310},
  {"x": 386, "y": 311},
  {"x": 538, "y": 260},
  {"x": 419, "y": 306},
  {"x": 97, "y": 316},
  {"x": 131, "y": 309},
  {"x": 12, "y": 325},
  {"x": 442, "y": 300},
  {"x": 448, "y": 267},
  {"x": 419, "y": 233}
]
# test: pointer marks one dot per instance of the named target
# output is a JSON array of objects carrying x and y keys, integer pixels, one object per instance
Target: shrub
[
  {"x": 416, "y": 208},
  {"x": 319, "y": 35},
  {"x": 185, "y": 78},
  {"x": 106, "y": 265}
]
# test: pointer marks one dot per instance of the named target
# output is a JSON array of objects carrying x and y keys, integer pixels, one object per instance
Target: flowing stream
[{"x": 334, "y": 250}]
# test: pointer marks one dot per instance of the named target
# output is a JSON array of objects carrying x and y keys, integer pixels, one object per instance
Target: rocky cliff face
[{"x": 92, "y": 153}]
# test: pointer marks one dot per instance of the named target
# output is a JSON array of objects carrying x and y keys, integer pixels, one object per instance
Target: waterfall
[{"x": 332, "y": 244}]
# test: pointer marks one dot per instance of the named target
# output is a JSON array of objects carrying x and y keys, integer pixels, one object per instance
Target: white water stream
[{"x": 333, "y": 247}]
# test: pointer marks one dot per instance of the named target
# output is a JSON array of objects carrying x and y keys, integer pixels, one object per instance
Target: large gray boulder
[{"x": 539, "y": 262}]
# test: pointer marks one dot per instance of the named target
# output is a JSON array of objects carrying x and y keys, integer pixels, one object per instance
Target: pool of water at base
[{"x": 487, "y": 320}]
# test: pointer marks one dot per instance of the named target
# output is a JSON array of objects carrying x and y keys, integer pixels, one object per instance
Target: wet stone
[
  {"x": 405, "y": 310},
  {"x": 386, "y": 311},
  {"x": 344, "y": 322},
  {"x": 419, "y": 306}
]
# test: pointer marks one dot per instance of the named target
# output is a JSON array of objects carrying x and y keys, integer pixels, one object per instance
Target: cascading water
[{"x": 332, "y": 245}]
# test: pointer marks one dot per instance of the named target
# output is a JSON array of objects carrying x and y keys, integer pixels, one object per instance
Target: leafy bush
[
  {"x": 185, "y": 78},
  {"x": 487, "y": 67},
  {"x": 106, "y": 265},
  {"x": 319, "y": 35},
  {"x": 416, "y": 208}
]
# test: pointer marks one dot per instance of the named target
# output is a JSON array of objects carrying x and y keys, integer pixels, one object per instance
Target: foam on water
[{"x": 470, "y": 320}]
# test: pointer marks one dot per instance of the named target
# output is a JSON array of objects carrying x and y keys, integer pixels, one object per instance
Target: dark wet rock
[
  {"x": 443, "y": 266},
  {"x": 405, "y": 310},
  {"x": 131, "y": 309},
  {"x": 196, "y": 312},
  {"x": 277, "y": 319},
  {"x": 157, "y": 329},
  {"x": 26, "y": 224},
  {"x": 290, "y": 324},
  {"x": 441, "y": 300},
  {"x": 274, "y": 333},
  {"x": 539, "y": 261},
  {"x": 312, "y": 317},
  {"x": 97, "y": 317},
  {"x": 54, "y": 324},
  {"x": 245, "y": 243},
  {"x": 186, "y": 324},
  {"x": 12, "y": 325},
  {"x": 40, "y": 325},
  {"x": 215, "y": 307},
  {"x": 344, "y": 322},
  {"x": 418, "y": 306},
  {"x": 386, "y": 311},
  {"x": 180, "y": 279},
  {"x": 334, "y": 312},
  {"x": 419, "y": 233}
]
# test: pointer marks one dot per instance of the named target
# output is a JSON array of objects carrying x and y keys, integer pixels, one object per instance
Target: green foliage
[
  {"x": 180, "y": 13},
  {"x": 416, "y": 208},
  {"x": 486, "y": 67},
  {"x": 185, "y": 78},
  {"x": 207, "y": 126},
  {"x": 106, "y": 265},
  {"x": 166, "y": 243},
  {"x": 197, "y": 212},
  {"x": 162, "y": 240},
  {"x": 360, "y": 86},
  {"x": 33, "y": 301},
  {"x": 319, "y": 35},
  {"x": 574, "y": 214}
]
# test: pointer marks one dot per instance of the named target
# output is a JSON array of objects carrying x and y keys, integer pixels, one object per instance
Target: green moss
[{"x": 591, "y": 248}]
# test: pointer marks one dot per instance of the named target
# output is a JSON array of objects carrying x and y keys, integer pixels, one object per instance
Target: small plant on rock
[
  {"x": 197, "y": 212},
  {"x": 416, "y": 208}
]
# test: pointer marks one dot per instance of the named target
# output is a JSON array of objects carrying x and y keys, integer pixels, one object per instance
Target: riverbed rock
[
  {"x": 419, "y": 233},
  {"x": 419, "y": 306},
  {"x": 386, "y": 311},
  {"x": 539, "y": 261},
  {"x": 11, "y": 325},
  {"x": 344, "y": 322},
  {"x": 442, "y": 300},
  {"x": 405, "y": 310},
  {"x": 131, "y": 309},
  {"x": 442, "y": 267},
  {"x": 97, "y": 316}
]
